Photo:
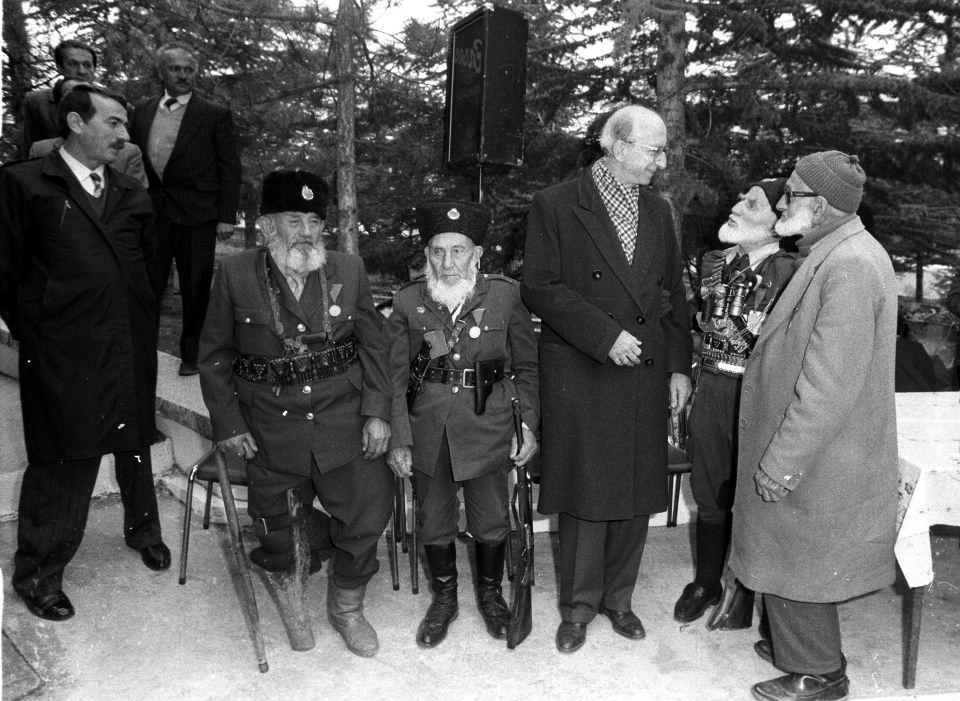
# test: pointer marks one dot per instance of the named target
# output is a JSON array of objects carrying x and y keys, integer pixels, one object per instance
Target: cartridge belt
[
  {"x": 296, "y": 369},
  {"x": 465, "y": 378},
  {"x": 720, "y": 363}
]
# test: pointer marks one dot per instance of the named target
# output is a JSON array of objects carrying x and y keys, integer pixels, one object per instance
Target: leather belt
[
  {"x": 465, "y": 378},
  {"x": 720, "y": 363},
  {"x": 296, "y": 369}
]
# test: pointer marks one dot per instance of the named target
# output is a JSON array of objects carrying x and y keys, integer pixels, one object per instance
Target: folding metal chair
[{"x": 677, "y": 463}]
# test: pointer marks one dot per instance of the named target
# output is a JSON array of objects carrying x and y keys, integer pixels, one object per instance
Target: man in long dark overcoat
[
  {"x": 294, "y": 371},
  {"x": 815, "y": 507},
  {"x": 602, "y": 270},
  {"x": 74, "y": 292}
]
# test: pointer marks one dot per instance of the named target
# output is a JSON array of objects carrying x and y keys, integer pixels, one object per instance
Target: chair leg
[
  {"x": 673, "y": 486},
  {"x": 187, "y": 513},
  {"x": 393, "y": 536},
  {"x": 912, "y": 648},
  {"x": 247, "y": 596},
  {"x": 206, "y": 506},
  {"x": 402, "y": 507},
  {"x": 414, "y": 547}
]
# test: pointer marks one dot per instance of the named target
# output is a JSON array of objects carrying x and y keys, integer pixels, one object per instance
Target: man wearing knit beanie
[
  {"x": 816, "y": 523},
  {"x": 739, "y": 287}
]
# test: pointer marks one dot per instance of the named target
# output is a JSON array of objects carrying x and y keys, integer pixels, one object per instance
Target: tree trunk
[
  {"x": 671, "y": 66},
  {"x": 348, "y": 223},
  {"x": 919, "y": 293},
  {"x": 16, "y": 44}
]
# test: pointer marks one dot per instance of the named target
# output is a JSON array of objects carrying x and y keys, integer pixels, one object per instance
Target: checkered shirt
[{"x": 621, "y": 204}]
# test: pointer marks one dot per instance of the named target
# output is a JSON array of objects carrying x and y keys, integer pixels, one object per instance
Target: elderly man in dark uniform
[
  {"x": 476, "y": 343},
  {"x": 815, "y": 509},
  {"x": 602, "y": 270},
  {"x": 293, "y": 368},
  {"x": 740, "y": 285},
  {"x": 74, "y": 292}
]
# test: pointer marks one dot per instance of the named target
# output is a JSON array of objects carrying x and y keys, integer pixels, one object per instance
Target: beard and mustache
[
  {"x": 299, "y": 259},
  {"x": 799, "y": 223},
  {"x": 743, "y": 233},
  {"x": 451, "y": 294}
]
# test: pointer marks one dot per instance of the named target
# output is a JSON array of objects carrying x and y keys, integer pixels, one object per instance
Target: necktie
[
  {"x": 171, "y": 104},
  {"x": 97, "y": 184},
  {"x": 740, "y": 262},
  {"x": 628, "y": 231}
]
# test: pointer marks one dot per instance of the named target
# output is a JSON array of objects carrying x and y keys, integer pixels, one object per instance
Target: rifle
[{"x": 521, "y": 610}]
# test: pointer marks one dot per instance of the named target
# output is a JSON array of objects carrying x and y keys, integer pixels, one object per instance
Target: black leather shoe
[
  {"x": 764, "y": 649},
  {"x": 625, "y": 623},
  {"x": 54, "y": 606},
  {"x": 694, "y": 600},
  {"x": 187, "y": 368},
  {"x": 804, "y": 687},
  {"x": 156, "y": 556},
  {"x": 571, "y": 636}
]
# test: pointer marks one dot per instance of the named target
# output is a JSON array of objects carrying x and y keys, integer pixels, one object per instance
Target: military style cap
[
  {"x": 452, "y": 217},
  {"x": 294, "y": 191},
  {"x": 772, "y": 189}
]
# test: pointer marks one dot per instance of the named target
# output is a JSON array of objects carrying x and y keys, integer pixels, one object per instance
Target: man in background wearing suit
[
  {"x": 602, "y": 270},
  {"x": 75, "y": 60},
  {"x": 193, "y": 166},
  {"x": 74, "y": 292}
]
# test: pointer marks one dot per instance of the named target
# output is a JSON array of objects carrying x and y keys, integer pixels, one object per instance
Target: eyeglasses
[
  {"x": 790, "y": 194},
  {"x": 655, "y": 150}
]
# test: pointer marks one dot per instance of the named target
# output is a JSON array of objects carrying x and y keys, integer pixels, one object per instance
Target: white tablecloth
[{"x": 928, "y": 440}]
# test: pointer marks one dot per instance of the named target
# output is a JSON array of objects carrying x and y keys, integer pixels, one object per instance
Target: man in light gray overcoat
[{"x": 816, "y": 523}]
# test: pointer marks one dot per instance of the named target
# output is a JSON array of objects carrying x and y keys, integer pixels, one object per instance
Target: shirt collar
[
  {"x": 80, "y": 171},
  {"x": 182, "y": 99},
  {"x": 756, "y": 255}
]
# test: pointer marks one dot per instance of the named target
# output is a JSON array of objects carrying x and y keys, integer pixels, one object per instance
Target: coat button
[
  {"x": 309, "y": 416},
  {"x": 640, "y": 320},
  {"x": 307, "y": 389},
  {"x": 455, "y": 389},
  {"x": 246, "y": 320},
  {"x": 648, "y": 362},
  {"x": 301, "y": 328},
  {"x": 597, "y": 274},
  {"x": 456, "y": 356}
]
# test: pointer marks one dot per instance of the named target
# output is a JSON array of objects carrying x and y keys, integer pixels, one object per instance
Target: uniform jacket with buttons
[
  {"x": 817, "y": 413},
  {"x": 497, "y": 325},
  {"x": 323, "y": 418},
  {"x": 74, "y": 292},
  {"x": 604, "y": 427}
]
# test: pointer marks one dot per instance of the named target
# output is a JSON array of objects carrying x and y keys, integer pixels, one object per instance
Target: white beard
[
  {"x": 800, "y": 223},
  {"x": 743, "y": 234},
  {"x": 449, "y": 295},
  {"x": 299, "y": 260}
]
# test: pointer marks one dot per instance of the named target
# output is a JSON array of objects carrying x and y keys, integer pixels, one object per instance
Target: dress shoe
[
  {"x": 187, "y": 368},
  {"x": 571, "y": 636},
  {"x": 764, "y": 649},
  {"x": 804, "y": 687},
  {"x": 156, "y": 556},
  {"x": 54, "y": 606},
  {"x": 694, "y": 600},
  {"x": 625, "y": 623}
]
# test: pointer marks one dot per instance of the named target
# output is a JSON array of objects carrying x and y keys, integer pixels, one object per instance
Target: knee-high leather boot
[
  {"x": 705, "y": 590},
  {"x": 735, "y": 610},
  {"x": 495, "y": 612},
  {"x": 442, "y": 561}
]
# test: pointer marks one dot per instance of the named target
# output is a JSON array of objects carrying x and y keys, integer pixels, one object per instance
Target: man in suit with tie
[
  {"x": 193, "y": 166},
  {"x": 602, "y": 270},
  {"x": 75, "y": 294}
]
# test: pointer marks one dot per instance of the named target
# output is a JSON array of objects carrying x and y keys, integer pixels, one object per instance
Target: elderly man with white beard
[
  {"x": 294, "y": 370},
  {"x": 739, "y": 287},
  {"x": 477, "y": 351},
  {"x": 815, "y": 509}
]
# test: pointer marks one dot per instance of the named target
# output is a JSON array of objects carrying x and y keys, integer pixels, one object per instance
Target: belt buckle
[{"x": 463, "y": 378}]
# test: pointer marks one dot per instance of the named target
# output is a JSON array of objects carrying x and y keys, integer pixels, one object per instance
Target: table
[{"x": 928, "y": 442}]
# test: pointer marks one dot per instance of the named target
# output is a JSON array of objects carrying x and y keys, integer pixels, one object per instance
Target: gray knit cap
[{"x": 835, "y": 176}]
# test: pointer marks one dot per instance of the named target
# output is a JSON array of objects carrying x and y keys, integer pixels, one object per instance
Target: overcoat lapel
[
  {"x": 592, "y": 213},
  {"x": 648, "y": 235},
  {"x": 789, "y": 302},
  {"x": 192, "y": 118},
  {"x": 54, "y": 166},
  {"x": 143, "y": 129}
]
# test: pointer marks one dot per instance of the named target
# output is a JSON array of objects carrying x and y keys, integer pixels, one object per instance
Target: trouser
[
  {"x": 713, "y": 450},
  {"x": 599, "y": 564},
  {"x": 359, "y": 498},
  {"x": 193, "y": 248},
  {"x": 484, "y": 497},
  {"x": 54, "y": 502},
  {"x": 805, "y": 635}
]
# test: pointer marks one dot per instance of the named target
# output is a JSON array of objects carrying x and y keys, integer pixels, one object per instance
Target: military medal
[
  {"x": 335, "y": 310},
  {"x": 475, "y": 332}
]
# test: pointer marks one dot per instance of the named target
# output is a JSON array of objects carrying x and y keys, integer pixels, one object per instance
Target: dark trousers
[
  {"x": 805, "y": 636},
  {"x": 359, "y": 498},
  {"x": 484, "y": 497},
  {"x": 54, "y": 501},
  {"x": 193, "y": 248},
  {"x": 599, "y": 564}
]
